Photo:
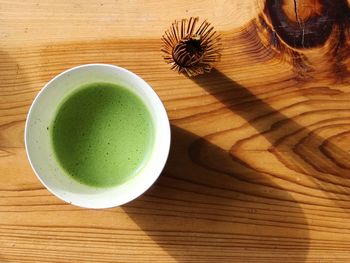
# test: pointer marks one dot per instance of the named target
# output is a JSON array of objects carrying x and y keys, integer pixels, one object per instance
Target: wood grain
[{"x": 259, "y": 169}]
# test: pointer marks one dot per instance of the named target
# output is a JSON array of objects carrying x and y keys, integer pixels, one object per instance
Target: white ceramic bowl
[{"x": 40, "y": 152}]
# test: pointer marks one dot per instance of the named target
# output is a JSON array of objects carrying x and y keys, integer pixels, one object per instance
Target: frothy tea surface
[{"x": 102, "y": 134}]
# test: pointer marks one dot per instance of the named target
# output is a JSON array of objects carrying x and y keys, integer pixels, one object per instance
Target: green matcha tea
[{"x": 102, "y": 134}]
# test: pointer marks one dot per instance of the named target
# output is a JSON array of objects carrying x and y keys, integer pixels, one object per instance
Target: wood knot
[{"x": 306, "y": 24}]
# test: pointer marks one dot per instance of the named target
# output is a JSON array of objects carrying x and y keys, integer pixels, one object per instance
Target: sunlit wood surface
[{"x": 259, "y": 169}]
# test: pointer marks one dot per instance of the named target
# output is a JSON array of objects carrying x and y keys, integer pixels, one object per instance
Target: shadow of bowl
[{"x": 208, "y": 206}]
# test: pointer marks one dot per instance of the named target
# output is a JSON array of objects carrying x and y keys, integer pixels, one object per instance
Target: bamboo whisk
[{"x": 189, "y": 50}]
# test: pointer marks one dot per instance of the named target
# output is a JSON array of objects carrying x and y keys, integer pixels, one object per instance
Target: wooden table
[{"x": 259, "y": 169}]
